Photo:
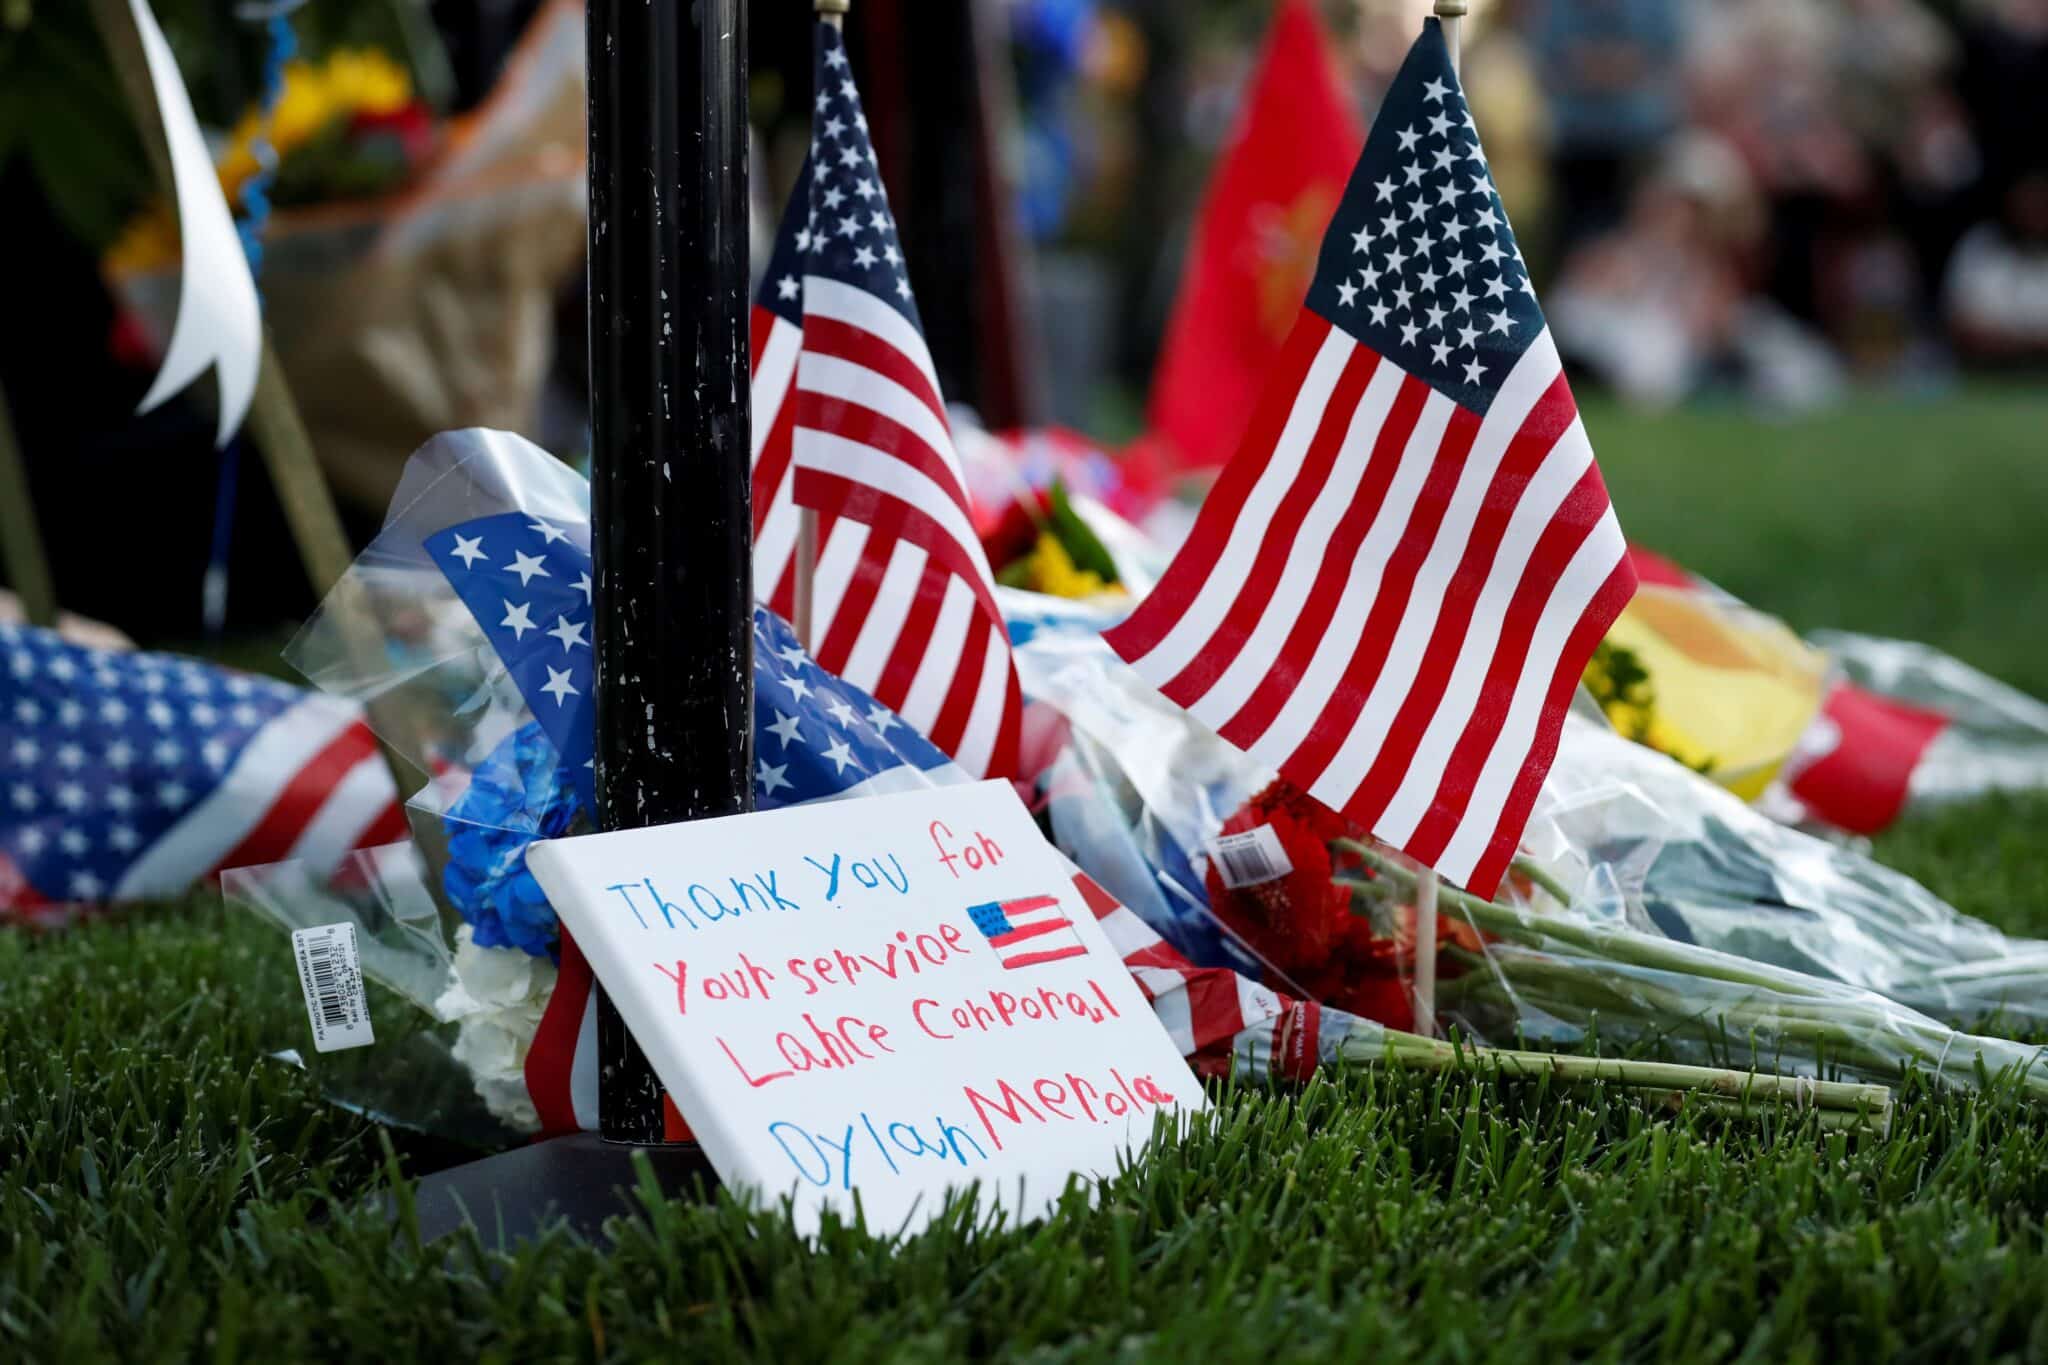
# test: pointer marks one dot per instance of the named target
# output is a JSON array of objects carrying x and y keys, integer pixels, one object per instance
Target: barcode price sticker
[
  {"x": 331, "y": 975},
  {"x": 1250, "y": 857}
]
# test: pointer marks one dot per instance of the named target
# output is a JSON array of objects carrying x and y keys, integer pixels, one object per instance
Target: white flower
[{"x": 496, "y": 997}]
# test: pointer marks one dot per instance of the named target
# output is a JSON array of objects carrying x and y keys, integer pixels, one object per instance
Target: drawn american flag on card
[
  {"x": 1027, "y": 932},
  {"x": 1396, "y": 582}
]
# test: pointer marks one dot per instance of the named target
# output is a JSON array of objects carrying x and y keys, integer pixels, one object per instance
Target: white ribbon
[{"x": 219, "y": 324}]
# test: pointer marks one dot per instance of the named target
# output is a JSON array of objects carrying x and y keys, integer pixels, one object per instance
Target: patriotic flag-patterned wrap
[
  {"x": 527, "y": 583},
  {"x": 1027, "y": 932},
  {"x": 126, "y": 774},
  {"x": 816, "y": 738},
  {"x": 1394, "y": 586},
  {"x": 904, "y": 601}
]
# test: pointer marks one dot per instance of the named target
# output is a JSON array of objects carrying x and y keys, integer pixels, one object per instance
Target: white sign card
[{"x": 893, "y": 997}]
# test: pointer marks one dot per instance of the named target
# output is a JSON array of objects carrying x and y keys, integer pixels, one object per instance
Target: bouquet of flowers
[
  {"x": 1650, "y": 906},
  {"x": 1842, "y": 732},
  {"x": 1050, "y": 508},
  {"x": 346, "y": 127},
  {"x": 410, "y": 271}
]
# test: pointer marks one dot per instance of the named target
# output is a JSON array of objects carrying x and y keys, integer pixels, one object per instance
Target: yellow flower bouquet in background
[
  {"x": 411, "y": 268},
  {"x": 345, "y": 127},
  {"x": 1701, "y": 676}
]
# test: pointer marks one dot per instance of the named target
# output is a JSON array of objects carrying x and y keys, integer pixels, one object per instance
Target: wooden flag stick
[
  {"x": 831, "y": 12},
  {"x": 806, "y": 576},
  {"x": 21, "y": 542},
  {"x": 1452, "y": 14}
]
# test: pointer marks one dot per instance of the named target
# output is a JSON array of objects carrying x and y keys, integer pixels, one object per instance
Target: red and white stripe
[
  {"x": 904, "y": 601},
  {"x": 309, "y": 787},
  {"x": 561, "y": 1065},
  {"x": 776, "y": 344},
  {"x": 1390, "y": 597}
]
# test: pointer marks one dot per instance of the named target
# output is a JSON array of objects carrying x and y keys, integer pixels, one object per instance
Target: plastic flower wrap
[
  {"x": 1649, "y": 905},
  {"x": 1839, "y": 731},
  {"x": 480, "y": 963},
  {"x": 1694, "y": 673},
  {"x": 493, "y": 1003}
]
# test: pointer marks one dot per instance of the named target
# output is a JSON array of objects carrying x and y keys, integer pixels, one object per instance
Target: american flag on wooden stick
[
  {"x": 904, "y": 601},
  {"x": 1393, "y": 587}
]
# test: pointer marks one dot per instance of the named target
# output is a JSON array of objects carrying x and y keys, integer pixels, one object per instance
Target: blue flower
[{"x": 516, "y": 795}]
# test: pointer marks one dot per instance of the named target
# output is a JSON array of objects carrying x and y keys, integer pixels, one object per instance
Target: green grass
[{"x": 167, "y": 1193}]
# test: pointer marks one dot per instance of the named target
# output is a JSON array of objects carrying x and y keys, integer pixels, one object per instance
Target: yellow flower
[
  {"x": 148, "y": 242},
  {"x": 366, "y": 81},
  {"x": 348, "y": 82},
  {"x": 1052, "y": 570}
]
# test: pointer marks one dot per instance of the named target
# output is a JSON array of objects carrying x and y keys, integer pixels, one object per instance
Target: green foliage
[
  {"x": 61, "y": 110},
  {"x": 1083, "y": 546},
  {"x": 1616, "y": 678}
]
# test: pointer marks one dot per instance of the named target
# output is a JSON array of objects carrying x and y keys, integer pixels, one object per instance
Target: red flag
[
  {"x": 1254, "y": 249},
  {"x": 1861, "y": 753}
]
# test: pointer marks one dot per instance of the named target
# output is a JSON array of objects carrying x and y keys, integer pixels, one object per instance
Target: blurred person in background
[
  {"x": 1651, "y": 305},
  {"x": 1665, "y": 306},
  {"x": 1996, "y": 294},
  {"x": 2004, "y": 84},
  {"x": 1504, "y": 85},
  {"x": 1762, "y": 76},
  {"x": 1611, "y": 68},
  {"x": 1895, "y": 67}
]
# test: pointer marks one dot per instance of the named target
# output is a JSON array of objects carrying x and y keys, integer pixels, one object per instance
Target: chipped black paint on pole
[{"x": 670, "y": 524}]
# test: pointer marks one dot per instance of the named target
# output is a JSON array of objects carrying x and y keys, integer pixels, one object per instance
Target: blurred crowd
[
  {"x": 1783, "y": 195},
  {"x": 1775, "y": 197}
]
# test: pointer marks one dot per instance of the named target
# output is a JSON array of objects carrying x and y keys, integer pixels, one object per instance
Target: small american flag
[
  {"x": 1027, "y": 932},
  {"x": 904, "y": 603},
  {"x": 1395, "y": 584},
  {"x": 127, "y": 774}
]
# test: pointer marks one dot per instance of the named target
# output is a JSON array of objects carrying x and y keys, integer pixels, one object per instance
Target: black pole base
[{"x": 579, "y": 1180}]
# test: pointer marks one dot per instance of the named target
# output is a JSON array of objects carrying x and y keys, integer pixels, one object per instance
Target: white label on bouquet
[
  {"x": 331, "y": 975},
  {"x": 1250, "y": 857},
  {"x": 880, "y": 1000}
]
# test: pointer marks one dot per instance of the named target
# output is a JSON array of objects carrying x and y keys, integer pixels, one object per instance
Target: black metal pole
[{"x": 670, "y": 525}]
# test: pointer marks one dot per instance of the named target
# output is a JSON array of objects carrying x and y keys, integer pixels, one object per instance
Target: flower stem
[
  {"x": 1867, "y": 1106},
  {"x": 1540, "y": 875}
]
